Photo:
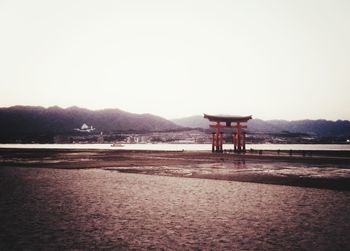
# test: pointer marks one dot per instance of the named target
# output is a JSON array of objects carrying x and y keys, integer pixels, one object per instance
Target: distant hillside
[
  {"x": 194, "y": 121},
  {"x": 322, "y": 128},
  {"x": 19, "y": 120}
]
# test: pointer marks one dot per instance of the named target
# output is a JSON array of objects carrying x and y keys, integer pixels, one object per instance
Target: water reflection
[{"x": 239, "y": 164}]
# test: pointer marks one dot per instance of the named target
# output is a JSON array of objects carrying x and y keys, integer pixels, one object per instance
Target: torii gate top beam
[{"x": 227, "y": 119}]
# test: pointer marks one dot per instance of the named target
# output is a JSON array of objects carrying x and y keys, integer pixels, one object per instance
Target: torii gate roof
[{"x": 227, "y": 119}]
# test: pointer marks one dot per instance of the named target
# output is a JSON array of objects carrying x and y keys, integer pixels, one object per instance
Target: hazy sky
[{"x": 273, "y": 59}]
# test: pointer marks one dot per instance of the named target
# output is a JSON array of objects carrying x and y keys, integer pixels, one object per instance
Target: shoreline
[{"x": 317, "y": 171}]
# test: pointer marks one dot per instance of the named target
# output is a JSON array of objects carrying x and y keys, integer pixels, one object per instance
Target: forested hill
[
  {"x": 55, "y": 120},
  {"x": 321, "y": 128}
]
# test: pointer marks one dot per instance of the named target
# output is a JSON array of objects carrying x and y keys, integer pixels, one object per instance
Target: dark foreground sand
[
  {"x": 123, "y": 200},
  {"x": 97, "y": 209},
  {"x": 322, "y": 170}
]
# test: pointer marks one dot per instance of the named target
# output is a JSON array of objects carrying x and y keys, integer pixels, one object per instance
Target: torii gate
[{"x": 238, "y": 136}]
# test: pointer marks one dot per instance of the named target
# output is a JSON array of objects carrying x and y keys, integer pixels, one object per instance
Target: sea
[{"x": 179, "y": 147}]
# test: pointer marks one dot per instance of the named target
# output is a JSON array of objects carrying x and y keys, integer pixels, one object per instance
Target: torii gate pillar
[{"x": 238, "y": 136}]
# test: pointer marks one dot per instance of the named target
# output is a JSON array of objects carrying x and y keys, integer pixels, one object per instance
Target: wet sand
[
  {"x": 327, "y": 170},
  {"x": 97, "y": 209},
  {"x": 144, "y": 200}
]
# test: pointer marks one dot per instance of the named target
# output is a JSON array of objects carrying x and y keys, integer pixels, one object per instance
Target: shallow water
[
  {"x": 47, "y": 209},
  {"x": 179, "y": 147}
]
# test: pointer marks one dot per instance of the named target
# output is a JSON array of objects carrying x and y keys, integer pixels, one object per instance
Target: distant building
[{"x": 85, "y": 128}]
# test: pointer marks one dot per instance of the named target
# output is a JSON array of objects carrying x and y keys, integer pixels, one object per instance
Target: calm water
[
  {"x": 46, "y": 209},
  {"x": 187, "y": 147}
]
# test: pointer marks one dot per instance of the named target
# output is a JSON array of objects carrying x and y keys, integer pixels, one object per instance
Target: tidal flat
[
  {"x": 324, "y": 169},
  {"x": 132, "y": 200}
]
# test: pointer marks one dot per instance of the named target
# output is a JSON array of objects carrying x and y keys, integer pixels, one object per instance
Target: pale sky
[{"x": 273, "y": 59}]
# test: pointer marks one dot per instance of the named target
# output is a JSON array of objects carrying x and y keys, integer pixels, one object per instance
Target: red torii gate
[{"x": 238, "y": 136}]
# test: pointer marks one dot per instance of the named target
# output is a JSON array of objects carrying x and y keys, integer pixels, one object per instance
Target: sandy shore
[
  {"x": 97, "y": 209},
  {"x": 147, "y": 200},
  {"x": 318, "y": 169}
]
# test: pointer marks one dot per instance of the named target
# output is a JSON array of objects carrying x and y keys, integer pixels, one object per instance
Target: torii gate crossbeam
[{"x": 238, "y": 136}]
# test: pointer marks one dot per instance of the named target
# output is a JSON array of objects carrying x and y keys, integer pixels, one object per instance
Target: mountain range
[
  {"x": 18, "y": 122},
  {"x": 22, "y": 120},
  {"x": 319, "y": 128}
]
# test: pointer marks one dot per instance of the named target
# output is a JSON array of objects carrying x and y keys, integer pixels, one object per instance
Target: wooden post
[
  {"x": 213, "y": 142},
  {"x": 221, "y": 141},
  {"x": 234, "y": 141},
  {"x": 243, "y": 141},
  {"x": 239, "y": 136},
  {"x": 217, "y": 136}
]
